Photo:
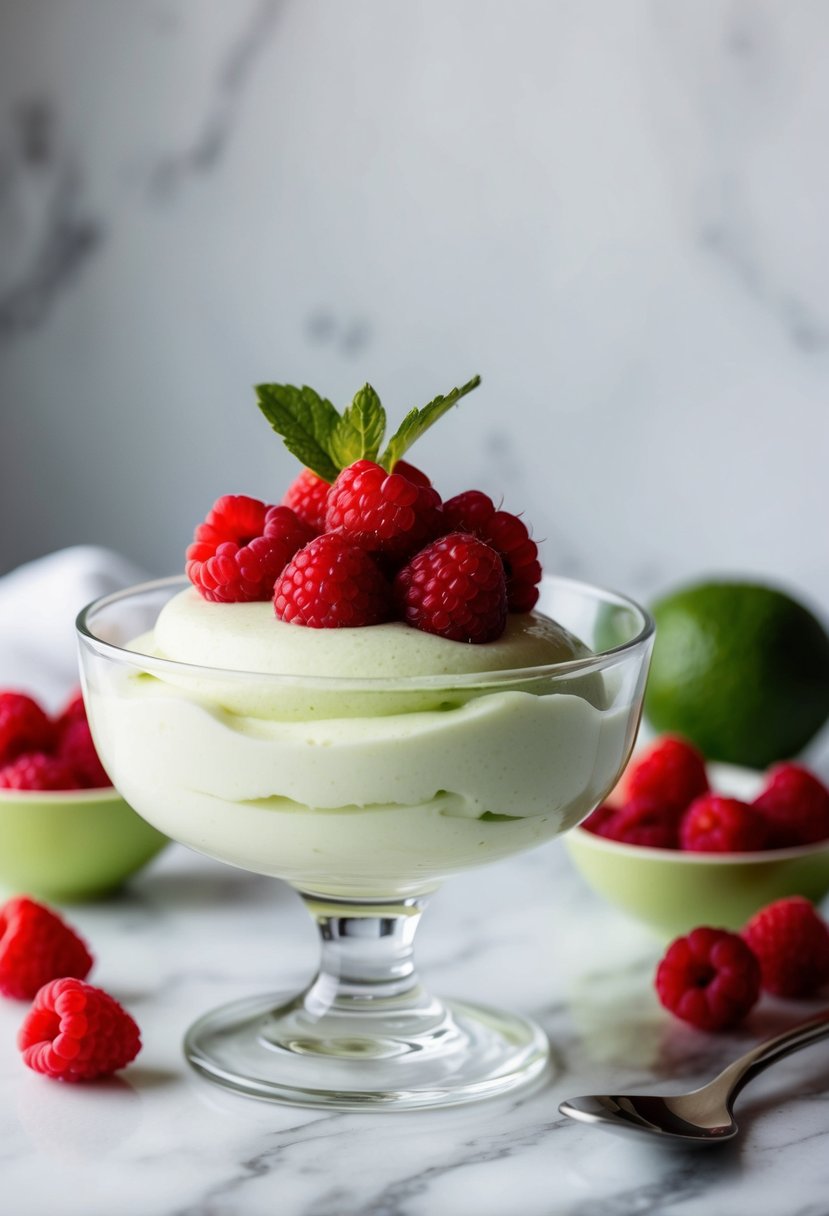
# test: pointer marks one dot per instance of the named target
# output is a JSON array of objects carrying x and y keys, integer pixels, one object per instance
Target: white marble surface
[
  {"x": 190, "y": 933},
  {"x": 614, "y": 211}
]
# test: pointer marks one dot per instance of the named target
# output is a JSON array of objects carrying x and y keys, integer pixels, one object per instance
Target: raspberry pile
[
  {"x": 73, "y": 1031},
  {"x": 361, "y": 536},
  {"x": 39, "y": 752},
  {"x": 712, "y": 977},
  {"x": 370, "y": 547},
  {"x": 664, "y": 801}
]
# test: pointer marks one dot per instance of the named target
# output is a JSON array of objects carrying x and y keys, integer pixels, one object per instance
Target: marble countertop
[{"x": 189, "y": 934}]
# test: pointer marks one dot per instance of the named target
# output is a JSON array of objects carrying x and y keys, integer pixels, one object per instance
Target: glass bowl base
[{"x": 450, "y": 1054}]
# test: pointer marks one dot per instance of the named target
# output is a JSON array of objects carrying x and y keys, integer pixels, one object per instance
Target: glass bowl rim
[{"x": 451, "y": 680}]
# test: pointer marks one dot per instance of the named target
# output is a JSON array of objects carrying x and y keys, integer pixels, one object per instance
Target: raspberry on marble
[
  {"x": 709, "y": 978},
  {"x": 37, "y": 945},
  {"x": 76, "y": 1032}
]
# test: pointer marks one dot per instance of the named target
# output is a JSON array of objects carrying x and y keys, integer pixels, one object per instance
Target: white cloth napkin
[{"x": 38, "y": 606}]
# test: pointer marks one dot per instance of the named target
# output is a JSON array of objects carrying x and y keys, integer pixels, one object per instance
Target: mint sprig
[{"x": 327, "y": 441}]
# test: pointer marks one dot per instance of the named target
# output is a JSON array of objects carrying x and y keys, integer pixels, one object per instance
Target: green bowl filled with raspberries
[
  {"x": 65, "y": 832},
  {"x": 681, "y": 843}
]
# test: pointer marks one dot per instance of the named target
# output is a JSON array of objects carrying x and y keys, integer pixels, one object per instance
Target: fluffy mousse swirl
[{"x": 303, "y": 769}]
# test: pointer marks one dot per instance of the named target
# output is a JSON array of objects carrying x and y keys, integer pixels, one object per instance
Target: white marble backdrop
[{"x": 614, "y": 211}]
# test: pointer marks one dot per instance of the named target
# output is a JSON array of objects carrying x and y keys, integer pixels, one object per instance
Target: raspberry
[
  {"x": 713, "y": 824},
  {"x": 383, "y": 512},
  {"x": 600, "y": 821},
  {"x": 241, "y": 548},
  {"x": 671, "y": 771},
  {"x": 75, "y": 1032},
  {"x": 469, "y": 512},
  {"x": 795, "y": 805},
  {"x": 791, "y": 943},
  {"x": 306, "y": 496},
  {"x": 414, "y": 474},
  {"x": 475, "y": 512},
  {"x": 36, "y": 946},
  {"x": 640, "y": 821},
  {"x": 24, "y": 727},
  {"x": 77, "y": 751},
  {"x": 709, "y": 978},
  {"x": 38, "y": 771},
  {"x": 331, "y": 584},
  {"x": 73, "y": 711},
  {"x": 456, "y": 588}
]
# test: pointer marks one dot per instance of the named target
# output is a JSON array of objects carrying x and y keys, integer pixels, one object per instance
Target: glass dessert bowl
[{"x": 364, "y": 793}]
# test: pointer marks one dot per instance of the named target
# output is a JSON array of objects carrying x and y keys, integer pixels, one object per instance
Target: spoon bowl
[
  {"x": 704, "y": 1115},
  {"x": 680, "y": 1117}
]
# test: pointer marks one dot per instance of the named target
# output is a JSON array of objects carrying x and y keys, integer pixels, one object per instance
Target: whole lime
[{"x": 740, "y": 669}]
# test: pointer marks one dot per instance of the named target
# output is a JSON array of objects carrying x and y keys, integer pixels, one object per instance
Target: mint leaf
[
  {"x": 360, "y": 431},
  {"x": 305, "y": 421},
  {"x": 417, "y": 421}
]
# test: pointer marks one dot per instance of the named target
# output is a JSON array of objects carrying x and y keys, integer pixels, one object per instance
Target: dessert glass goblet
[{"x": 364, "y": 795}]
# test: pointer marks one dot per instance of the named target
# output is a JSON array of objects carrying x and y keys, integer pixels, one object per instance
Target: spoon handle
[{"x": 732, "y": 1079}]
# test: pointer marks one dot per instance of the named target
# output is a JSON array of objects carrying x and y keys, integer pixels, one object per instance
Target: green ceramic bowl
[
  {"x": 71, "y": 845},
  {"x": 673, "y": 891}
]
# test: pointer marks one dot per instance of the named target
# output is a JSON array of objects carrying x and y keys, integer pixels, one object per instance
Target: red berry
[
  {"x": 24, "y": 727},
  {"x": 75, "y": 1032},
  {"x": 306, "y": 496},
  {"x": 38, "y": 771},
  {"x": 600, "y": 821},
  {"x": 73, "y": 711},
  {"x": 412, "y": 472},
  {"x": 709, "y": 978},
  {"x": 241, "y": 548},
  {"x": 713, "y": 824},
  {"x": 36, "y": 946},
  {"x": 475, "y": 512},
  {"x": 469, "y": 512},
  {"x": 382, "y": 512},
  {"x": 77, "y": 751},
  {"x": 332, "y": 584},
  {"x": 795, "y": 805},
  {"x": 791, "y": 943},
  {"x": 671, "y": 771},
  {"x": 640, "y": 821},
  {"x": 456, "y": 588}
]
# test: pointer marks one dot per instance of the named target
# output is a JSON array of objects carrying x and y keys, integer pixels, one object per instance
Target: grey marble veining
[
  {"x": 219, "y": 117},
  {"x": 161, "y": 1142},
  {"x": 46, "y": 227},
  {"x": 49, "y": 229}
]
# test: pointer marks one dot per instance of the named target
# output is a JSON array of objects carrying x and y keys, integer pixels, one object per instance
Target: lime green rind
[
  {"x": 73, "y": 846},
  {"x": 740, "y": 669},
  {"x": 673, "y": 892}
]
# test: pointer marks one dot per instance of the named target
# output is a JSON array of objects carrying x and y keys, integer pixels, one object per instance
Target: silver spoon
[{"x": 702, "y": 1116}]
